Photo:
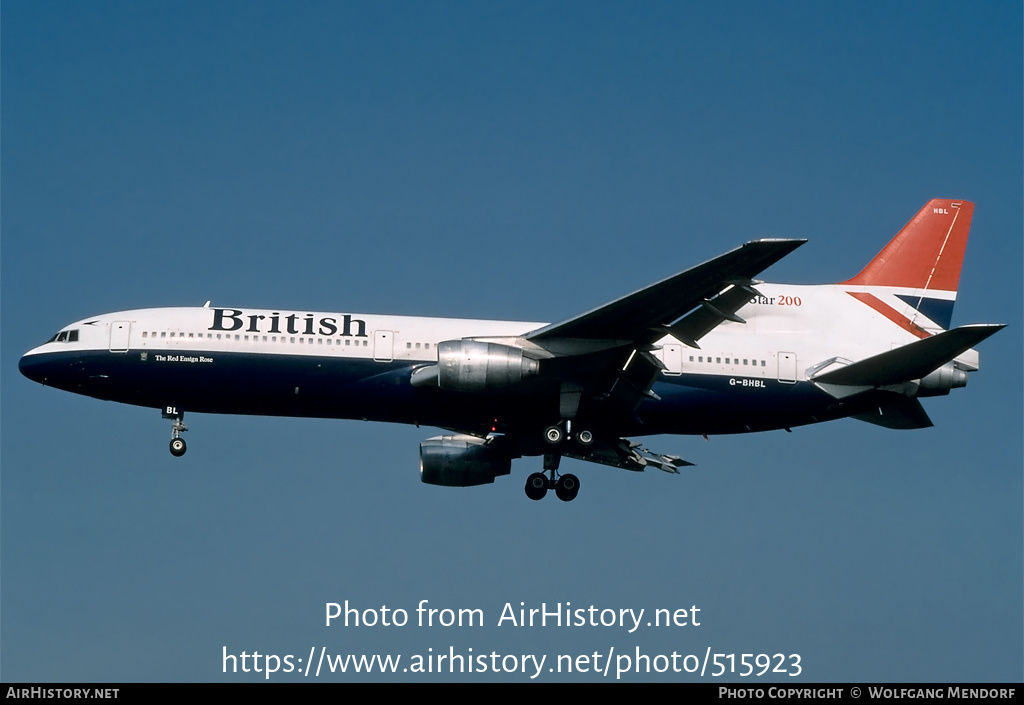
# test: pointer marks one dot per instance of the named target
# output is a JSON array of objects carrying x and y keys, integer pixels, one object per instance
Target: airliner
[{"x": 710, "y": 350}]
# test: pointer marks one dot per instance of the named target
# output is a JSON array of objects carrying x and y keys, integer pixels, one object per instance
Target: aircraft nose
[
  {"x": 38, "y": 368},
  {"x": 30, "y": 366}
]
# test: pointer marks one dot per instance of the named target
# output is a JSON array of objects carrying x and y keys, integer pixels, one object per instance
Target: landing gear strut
[
  {"x": 566, "y": 487},
  {"x": 178, "y": 446}
]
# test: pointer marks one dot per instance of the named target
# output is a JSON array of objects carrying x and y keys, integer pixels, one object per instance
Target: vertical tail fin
[{"x": 924, "y": 260}]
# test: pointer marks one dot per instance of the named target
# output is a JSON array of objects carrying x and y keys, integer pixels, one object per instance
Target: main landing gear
[
  {"x": 566, "y": 487},
  {"x": 555, "y": 435},
  {"x": 178, "y": 446}
]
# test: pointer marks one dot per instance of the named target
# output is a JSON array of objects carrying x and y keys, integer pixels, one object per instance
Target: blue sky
[{"x": 502, "y": 160}]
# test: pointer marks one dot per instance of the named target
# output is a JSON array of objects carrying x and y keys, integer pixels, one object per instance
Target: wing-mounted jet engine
[
  {"x": 463, "y": 461},
  {"x": 475, "y": 366}
]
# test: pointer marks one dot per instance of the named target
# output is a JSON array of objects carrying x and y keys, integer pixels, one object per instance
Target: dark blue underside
[{"x": 328, "y": 387}]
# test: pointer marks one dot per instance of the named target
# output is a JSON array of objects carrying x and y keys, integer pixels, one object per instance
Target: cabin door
[
  {"x": 119, "y": 331},
  {"x": 787, "y": 367},
  {"x": 383, "y": 345}
]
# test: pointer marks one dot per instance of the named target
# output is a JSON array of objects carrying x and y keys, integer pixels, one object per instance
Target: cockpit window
[{"x": 65, "y": 336}]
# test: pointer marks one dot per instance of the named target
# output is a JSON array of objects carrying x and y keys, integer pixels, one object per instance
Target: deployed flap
[
  {"x": 898, "y": 412},
  {"x": 628, "y": 456},
  {"x": 912, "y": 361},
  {"x": 634, "y": 381},
  {"x": 706, "y": 317},
  {"x": 642, "y": 315}
]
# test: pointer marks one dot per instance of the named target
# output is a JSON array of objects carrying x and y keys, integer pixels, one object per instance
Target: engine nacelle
[
  {"x": 941, "y": 381},
  {"x": 461, "y": 461},
  {"x": 474, "y": 366}
]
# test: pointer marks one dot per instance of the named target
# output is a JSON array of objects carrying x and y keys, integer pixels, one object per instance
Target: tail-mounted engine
[
  {"x": 462, "y": 461},
  {"x": 474, "y": 366},
  {"x": 939, "y": 382}
]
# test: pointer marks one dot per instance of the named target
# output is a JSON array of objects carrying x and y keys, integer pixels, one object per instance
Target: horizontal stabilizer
[
  {"x": 912, "y": 361},
  {"x": 898, "y": 412}
]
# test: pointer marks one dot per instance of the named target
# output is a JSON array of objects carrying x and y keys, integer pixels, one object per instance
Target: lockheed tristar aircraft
[{"x": 707, "y": 351}]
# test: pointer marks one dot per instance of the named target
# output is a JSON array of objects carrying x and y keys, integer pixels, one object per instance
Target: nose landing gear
[{"x": 178, "y": 446}]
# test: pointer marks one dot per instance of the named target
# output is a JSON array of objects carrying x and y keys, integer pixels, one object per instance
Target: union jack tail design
[{"x": 913, "y": 280}]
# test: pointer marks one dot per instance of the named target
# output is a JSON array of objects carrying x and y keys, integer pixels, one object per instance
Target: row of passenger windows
[
  {"x": 256, "y": 338},
  {"x": 364, "y": 342},
  {"x": 734, "y": 361}
]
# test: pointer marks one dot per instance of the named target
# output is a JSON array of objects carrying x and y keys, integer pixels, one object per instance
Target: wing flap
[
  {"x": 629, "y": 456},
  {"x": 634, "y": 381},
  {"x": 710, "y": 314}
]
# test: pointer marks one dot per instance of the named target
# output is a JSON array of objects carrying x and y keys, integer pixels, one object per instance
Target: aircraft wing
[{"x": 646, "y": 315}]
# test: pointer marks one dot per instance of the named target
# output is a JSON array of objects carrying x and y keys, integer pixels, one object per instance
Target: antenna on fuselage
[{"x": 207, "y": 304}]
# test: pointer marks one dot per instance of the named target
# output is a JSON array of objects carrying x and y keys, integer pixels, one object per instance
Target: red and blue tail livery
[
  {"x": 710, "y": 350},
  {"x": 921, "y": 265}
]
